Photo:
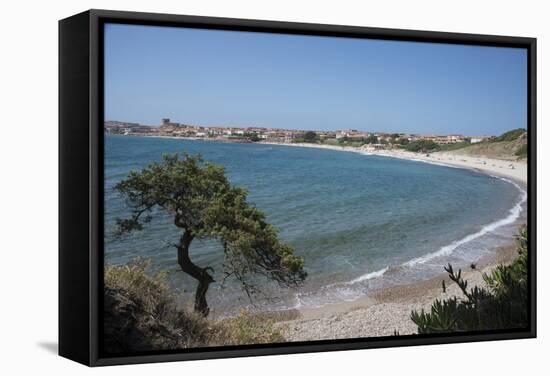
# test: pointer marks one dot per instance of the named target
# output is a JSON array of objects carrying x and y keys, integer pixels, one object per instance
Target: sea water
[{"x": 361, "y": 222}]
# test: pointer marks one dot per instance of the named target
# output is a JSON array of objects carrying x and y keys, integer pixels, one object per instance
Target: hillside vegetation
[
  {"x": 141, "y": 314},
  {"x": 511, "y": 145},
  {"x": 501, "y": 304}
]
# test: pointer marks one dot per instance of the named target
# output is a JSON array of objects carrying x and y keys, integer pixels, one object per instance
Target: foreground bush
[
  {"x": 247, "y": 329},
  {"x": 141, "y": 314},
  {"x": 500, "y": 305}
]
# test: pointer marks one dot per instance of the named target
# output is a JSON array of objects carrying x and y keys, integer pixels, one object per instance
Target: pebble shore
[{"x": 387, "y": 311}]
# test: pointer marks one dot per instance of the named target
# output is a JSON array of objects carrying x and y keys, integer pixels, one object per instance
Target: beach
[
  {"x": 512, "y": 169},
  {"x": 387, "y": 312},
  {"x": 368, "y": 311},
  {"x": 516, "y": 170}
]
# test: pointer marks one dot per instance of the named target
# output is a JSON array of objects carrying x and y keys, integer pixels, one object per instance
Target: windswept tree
[{"x": 205, "y": 205}]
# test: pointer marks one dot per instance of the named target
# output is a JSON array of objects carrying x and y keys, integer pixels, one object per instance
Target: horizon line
[{"x": 296, "y": 129}]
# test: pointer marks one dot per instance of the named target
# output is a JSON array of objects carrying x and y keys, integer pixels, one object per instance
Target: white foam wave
[
  {"x": 350, "y": 295},
  {"x": 368, "y": 276},
  {"x": 513, "y": 214}
]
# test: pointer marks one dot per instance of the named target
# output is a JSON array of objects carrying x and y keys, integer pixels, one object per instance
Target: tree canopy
[
  {"x": 422, "y": 146},
  {"x": 310, "y": 136},
  {"x": 205, "y": 205},
  {"x": 372, "y": 139}
]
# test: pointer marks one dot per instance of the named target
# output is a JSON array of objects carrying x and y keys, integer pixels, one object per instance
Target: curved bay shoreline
[
  {"x": 388, "y": 310},
  {"x": 383, "y": 312},
  {"x": 515, "y": 170}
]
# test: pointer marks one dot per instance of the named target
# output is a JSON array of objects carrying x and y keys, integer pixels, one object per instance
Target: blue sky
[{"x": 232, "y": 78}]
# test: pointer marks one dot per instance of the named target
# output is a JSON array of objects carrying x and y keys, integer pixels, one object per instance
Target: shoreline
[
  {"x": 388, "y": 309},
  {"x": 384, "y": 311},
  {"x": 514, "y": 170}
]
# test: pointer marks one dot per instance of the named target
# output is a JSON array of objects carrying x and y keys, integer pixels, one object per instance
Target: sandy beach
[
  {"x": 387, "y": 311},
  {"x": 516, "y": 170},
  {"x": 384, "y": 312}
]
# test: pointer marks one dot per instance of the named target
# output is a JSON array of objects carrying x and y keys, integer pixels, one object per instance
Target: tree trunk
[{"x": 200, "y": 274}]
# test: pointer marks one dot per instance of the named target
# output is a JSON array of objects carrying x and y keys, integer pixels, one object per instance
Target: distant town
[{"x": 380, "y": 140}]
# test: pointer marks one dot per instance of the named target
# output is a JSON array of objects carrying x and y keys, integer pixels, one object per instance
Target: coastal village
[{"x": 377, "y": 140}]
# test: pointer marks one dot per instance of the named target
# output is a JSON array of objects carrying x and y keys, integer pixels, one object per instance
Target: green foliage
[
  {"x": 348, "y": 141},
  {"x": 252, "y": 136},
  {"x": 357, "y": 141},
  {"x": 522, "y": 151},
  {"x": 510, "y": 135},
  {"x": 500, "y": 305},
  {"x": 372, "y": 139},
  {"x": 140, "y": 314},
  {"x": 422, "y": 146},
  {"x": 398, "y": 139},
  {"x": 455, "y": 146},
  {"x": 310, "y": 136},
  {"x": 404, "y": 141},
  {"x": 204, "y": 205}
]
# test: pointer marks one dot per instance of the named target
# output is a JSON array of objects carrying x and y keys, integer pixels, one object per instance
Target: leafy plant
[
  {"x": 502, "y": 304},
  {"x": 422, "y": 146}
]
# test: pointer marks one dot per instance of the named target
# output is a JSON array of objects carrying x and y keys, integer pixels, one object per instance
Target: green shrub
[
  {"x": 141, "y": 314},
  {"x": 455, "y": 146},
  {"x": 502, "y": 304},
  {"x": 422, "y": 146},
  {"x": 248, "y": 329},
  {"x": 310, "y": 136},
  {"x": 150, "y": 290},
  {"x": 510, "y": 135},
  {"x": 522, "y": 151}
]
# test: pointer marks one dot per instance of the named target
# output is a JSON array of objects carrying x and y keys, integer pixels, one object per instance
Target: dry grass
[
  {"x": 141, "y": 314},
  {"x": 507, "y": 150},
  {"x": 247, "y": 329}
]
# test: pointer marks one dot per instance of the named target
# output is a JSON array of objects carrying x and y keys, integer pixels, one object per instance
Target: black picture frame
[{"x": 81, "y": 183}]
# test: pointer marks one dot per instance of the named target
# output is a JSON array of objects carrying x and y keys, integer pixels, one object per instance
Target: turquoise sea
[{"x": 362, "y": 222}]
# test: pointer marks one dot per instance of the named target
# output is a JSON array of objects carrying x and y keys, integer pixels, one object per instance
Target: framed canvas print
[{"x": 240, "y": 187}]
